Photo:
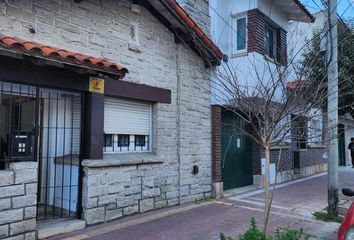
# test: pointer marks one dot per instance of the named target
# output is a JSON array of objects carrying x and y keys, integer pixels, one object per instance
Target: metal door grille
[
  {"x": 17, "y": 123},
  {"x": 44, "y": 125},
  {"x": 296, "y": 162},
  {"x": 59, "y": 154}
]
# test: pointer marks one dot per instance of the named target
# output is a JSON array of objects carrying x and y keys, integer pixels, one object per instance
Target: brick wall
[
  {"x": 312, "y": 156},
  {"x": 283, "y": 48},
  {"x": 256, "y": 31},
  {"x": 18, "y": 199},
  {"x": 308, "y": 157},
  {"x": 216, "y": 143}
]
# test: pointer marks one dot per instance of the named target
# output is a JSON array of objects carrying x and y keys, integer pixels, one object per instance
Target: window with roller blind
[{"x": 127, "y": 125}]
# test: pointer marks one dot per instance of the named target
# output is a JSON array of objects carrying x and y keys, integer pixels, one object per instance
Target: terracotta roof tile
[
  {"x": 194, "y": 26},
  {"x": 304, "y": 9},
  {"x": 293, "y": 85},
  {"x": 31, "y": 48}
]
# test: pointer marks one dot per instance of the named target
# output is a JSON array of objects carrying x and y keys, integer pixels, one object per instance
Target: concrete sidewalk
[
  {"x": 293, "y": 207},
  {"x": 203, "y": 221}
]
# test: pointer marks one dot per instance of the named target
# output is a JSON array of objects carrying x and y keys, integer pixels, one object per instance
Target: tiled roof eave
[
  {"x": 16, "y": 47},
  {"x": 193, "y": 26},
  {"x": 305, "y": 10}
]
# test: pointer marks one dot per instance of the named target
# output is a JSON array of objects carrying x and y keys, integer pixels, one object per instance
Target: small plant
[
  {"x": 205, "y": 200},
  {"x": 223, "y": 237},
  {"x": 324, "y": 216},
  {"x": 253, "y": 233},
  {"x": 292, "y": 234}
]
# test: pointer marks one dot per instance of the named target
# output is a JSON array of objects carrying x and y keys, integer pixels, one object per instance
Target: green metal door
[
  {"x": 236, "y": 164},
  {"x": 341, "y": 145}
]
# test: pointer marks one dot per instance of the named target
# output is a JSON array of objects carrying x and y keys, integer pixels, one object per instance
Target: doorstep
[
  {"x": 344, "y": 206},
  {"x": 240, "y": 190},
  {"x": 55, "y": 227}
]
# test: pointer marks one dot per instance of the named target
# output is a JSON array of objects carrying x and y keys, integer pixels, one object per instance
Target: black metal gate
[
  {"x": 59, "y": 153},
  {"x": 44, "y": 125}
]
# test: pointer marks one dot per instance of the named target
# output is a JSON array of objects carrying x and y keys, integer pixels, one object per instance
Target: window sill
[
  {"x": 278, "y": 147},
  {"x": 272, "y": 60},
  {"x": 316, "y": 146},
  {"x": 134, "y": 47},
  {"x": 68, "y": 160},
  {"x": 239, "y": 54},
  {"x": 119, "y": 159}
]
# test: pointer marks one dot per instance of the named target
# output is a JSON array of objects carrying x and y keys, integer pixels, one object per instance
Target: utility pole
[{"x": 332, "y": 108}]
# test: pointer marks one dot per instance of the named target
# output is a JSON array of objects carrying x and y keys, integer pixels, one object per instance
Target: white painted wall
[
  {"x": 348, "y": 123},
  {"x": 298, "y": 40},
  {"x": 246, "y": 68},
  {"x": 275, "y": 13}
]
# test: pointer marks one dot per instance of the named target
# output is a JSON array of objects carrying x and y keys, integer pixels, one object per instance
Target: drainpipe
[{"x": 178, "y": 119}]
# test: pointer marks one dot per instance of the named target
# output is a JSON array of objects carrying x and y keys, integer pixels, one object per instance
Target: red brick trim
[
  {"x": 257, "y": 22},
  {"x": 216, "y": 143},
  {"x": 256, "y": 30},
  {"x": 283, "y": 48}
]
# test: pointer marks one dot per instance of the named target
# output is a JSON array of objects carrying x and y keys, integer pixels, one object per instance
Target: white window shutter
[
  {"x": 319, "y": 129},
  {"x": 315, "y": 126},
  {"x": 311, "y": 132},
  {"x": 126, "y": 117}
]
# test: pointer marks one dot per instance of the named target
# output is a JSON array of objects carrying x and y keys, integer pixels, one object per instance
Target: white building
[
  {"x": 254, "y": 32},
  {"x": 253, "y": 35},
  {"x": 300, "y": 39}
]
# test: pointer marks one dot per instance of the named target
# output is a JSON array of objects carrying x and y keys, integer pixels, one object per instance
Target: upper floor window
[
  {"x": 270, "y": 42},
  {"x": 127, "y": 126},
  {"x": 300, "y": 131},
  {"x": 239, "y": 38}
]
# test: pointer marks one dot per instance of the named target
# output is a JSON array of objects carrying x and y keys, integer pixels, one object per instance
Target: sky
[{"x": 345, "y": 7}]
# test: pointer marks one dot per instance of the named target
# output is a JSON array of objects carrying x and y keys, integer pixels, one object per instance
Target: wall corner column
[
  {"x": 218, "y": 188},
  {"x": 93, "y": 139}
]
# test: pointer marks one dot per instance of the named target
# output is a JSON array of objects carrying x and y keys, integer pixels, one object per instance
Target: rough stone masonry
[{"x": 18, "y": 199}]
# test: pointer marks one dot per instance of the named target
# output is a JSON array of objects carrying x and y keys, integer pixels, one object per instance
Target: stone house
[
  {"x": 253, "y": 35},
  {"x": 104, "y": 110}
]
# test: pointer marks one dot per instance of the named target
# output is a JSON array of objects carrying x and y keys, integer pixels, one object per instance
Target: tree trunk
[
  {"x": 267, "y": 194},
  {"x": 333, "y": 201}
]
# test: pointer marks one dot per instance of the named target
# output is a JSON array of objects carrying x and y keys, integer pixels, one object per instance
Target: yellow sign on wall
[{"x": 96, "y": 85}]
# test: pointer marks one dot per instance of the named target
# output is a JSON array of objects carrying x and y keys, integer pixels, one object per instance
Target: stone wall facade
[
  {"x": 181, "y": 131},
  {"x": 18, "y": 199},
  {"x": 129, "y": 187},
  {"x": 199, "y": 11}
]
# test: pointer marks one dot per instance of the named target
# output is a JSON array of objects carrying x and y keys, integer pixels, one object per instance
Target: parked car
[{"x": 346, "y": 230}]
